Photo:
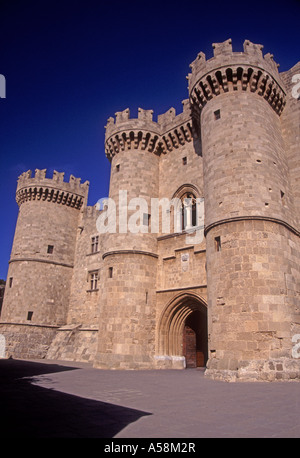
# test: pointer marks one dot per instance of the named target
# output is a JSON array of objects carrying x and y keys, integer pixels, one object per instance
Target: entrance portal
[
  {"x": 195, "y": 340},
  {"x": 183, "y": 330}
]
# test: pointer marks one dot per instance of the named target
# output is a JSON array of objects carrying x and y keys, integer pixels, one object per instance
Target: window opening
[
  {"x": 50, "y": 249},
  {"x": 146, "y": 219},
  {"x": 218, "y": 243},
  {"x": 95, "y": 242},
  {"x": 94, "y": 281},
  {"x": 188, "y": 211},
  {"x": 217, "y": 114}
]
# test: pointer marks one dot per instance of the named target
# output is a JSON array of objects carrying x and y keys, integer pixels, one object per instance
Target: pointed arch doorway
[{"x": 183, "y": 330}]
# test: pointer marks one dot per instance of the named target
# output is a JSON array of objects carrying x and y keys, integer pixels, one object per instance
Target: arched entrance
[
  {"x": 183, "y": 330},
  {"x": 194, "y": 338}
]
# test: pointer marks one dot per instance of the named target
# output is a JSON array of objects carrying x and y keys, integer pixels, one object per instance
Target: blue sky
[{"x": 69, "y": 65}]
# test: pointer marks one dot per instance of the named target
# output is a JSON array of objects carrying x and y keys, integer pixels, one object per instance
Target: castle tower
[
  {"x": 251, "y": 227},
  {"x": 127, "y": 308},
  {"x": 40, "y": 269}
]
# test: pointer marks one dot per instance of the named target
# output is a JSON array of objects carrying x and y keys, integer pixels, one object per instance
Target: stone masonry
[{"x": 224, "y": 294}]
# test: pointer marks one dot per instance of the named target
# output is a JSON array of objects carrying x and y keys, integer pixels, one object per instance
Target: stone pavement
[{"x": 48, "y": 399}]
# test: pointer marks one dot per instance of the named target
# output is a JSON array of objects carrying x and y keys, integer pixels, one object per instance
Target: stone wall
[
  {"x": 27, "y": 341},
  {"x": 74, "y": 343},
  {"x": 84, "y": 301}
]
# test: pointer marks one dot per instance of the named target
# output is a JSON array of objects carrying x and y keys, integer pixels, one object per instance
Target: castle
[{"x": 226, "y": 297}]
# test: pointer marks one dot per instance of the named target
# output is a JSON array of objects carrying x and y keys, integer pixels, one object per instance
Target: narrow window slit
[
  {"x": 217, "y": 114},
  {"x": 218, "y": 243}
]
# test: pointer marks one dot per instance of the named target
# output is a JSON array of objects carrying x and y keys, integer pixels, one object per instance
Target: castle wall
[
  {"x": 84, "y": 301},
  {"x": 77, "y": 340},
  {"x": 40, "y": 280},
  {"x": 290, "y": 122},
  {"x": 174, "y": 171},
  {"x": 253, "y": 300},
  {"x": 138, "y": 177},
  {"x": 127, "y": 313},
  {"x": 246, "y": 170},
  {"x": 250, "y": 220},
  {"x": 74, "y": 343},
  {"x": 180, "y": 265},
  {"x": 27, "y": 341},
  {"x": 46, "y": 298}
]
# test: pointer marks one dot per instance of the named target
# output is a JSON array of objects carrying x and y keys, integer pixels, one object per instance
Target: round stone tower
[
  {"x": 250, "y": 225},
  {"x": 127, "y": 309},
  {"x": 40, "y": 268}
]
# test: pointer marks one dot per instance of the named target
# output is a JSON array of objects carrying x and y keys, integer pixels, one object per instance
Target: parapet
[
  {"x": 228, "y": 70},
  {"x": 55, "y": 189},
  {"x": 170, "y": 131}
]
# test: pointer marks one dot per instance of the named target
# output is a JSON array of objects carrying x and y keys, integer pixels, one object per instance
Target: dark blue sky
[{"x": 69, "y": 65}]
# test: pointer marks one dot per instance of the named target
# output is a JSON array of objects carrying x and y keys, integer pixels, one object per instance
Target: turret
[
  {"x": 159, "y": 137},
  {"x": 237, "y": 99},
  {"x": 127, "y": 312},
  {"x": 42, "y": 257}
]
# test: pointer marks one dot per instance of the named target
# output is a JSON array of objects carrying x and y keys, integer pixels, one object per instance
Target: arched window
[
  {"x": 186, "y": 206},
  {"x": 188, "y": 211}
]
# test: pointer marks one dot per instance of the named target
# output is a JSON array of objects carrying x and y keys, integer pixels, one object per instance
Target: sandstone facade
[{"x": 170, "y": 298}]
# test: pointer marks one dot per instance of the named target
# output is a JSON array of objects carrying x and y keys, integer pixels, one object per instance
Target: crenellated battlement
[
  {"x": 226, "y": 71},
  {"x": 170, "y": 131},
  {"x": 231, "y": 71},
  {"x": 55, "y": 189}
]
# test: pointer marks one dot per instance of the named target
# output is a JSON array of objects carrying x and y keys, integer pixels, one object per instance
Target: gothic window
[
  {"x": 187, "y": 207},
  {"x": 95, "y": 243},
  {"x": 93, "y": 279},
  {"x": 188, "y": 210}
]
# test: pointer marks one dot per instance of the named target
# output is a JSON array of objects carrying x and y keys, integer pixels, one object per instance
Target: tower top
[
  {"x": 228, "y": 70},
  {"x": 55, "y": 189},
  {"x": 170, "y": 130}
]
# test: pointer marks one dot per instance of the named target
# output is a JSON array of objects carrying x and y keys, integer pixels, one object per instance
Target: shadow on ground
[{"x": 31, "y": 411}]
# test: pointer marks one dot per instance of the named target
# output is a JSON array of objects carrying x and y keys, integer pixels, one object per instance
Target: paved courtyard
[{"x": 67, "y": 399}]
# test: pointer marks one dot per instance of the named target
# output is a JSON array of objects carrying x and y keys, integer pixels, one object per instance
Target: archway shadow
[{"x": 31, "y": 411}]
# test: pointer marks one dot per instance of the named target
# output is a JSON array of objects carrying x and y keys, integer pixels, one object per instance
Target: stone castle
[{"x": 228, "y": 301}]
